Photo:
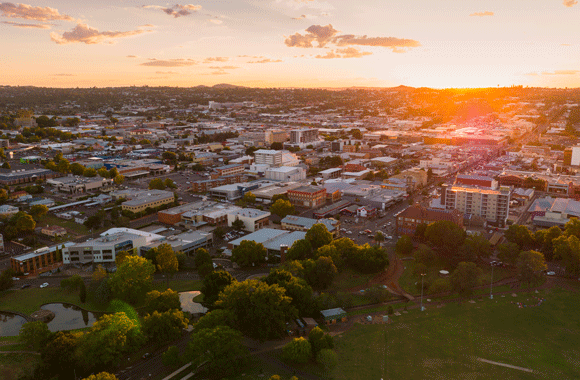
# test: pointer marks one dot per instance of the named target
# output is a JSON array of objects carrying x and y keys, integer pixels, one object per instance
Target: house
[
  {"x": 331, "y": 316},
  {"x": 53, "y": 231},
  {"x": 366, "y": 212}
]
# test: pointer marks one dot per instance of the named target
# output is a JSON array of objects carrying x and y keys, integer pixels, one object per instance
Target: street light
[
  {"x": 422, "y": 275},
  {"x": 491, "y": 282}
]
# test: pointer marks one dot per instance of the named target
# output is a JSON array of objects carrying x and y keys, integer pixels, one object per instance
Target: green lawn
[
  {"x": 178, "y": 285},
  {"x": 445, "y": 343},
  {"x": 71, "y": 225},
  {"x": 14, "y": 366},
  {"x": 349, "y": 279}
]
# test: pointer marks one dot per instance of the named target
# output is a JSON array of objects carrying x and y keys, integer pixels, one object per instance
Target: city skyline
[{"x": 291, "y": 43}]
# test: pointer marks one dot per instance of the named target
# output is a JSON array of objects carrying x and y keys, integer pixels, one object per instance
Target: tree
[
  {"x": 368, "y": 259},
  {"x": 300, "y": 250},
  {"x": 166, "y": 260},
  {"x": 238, "y": 224},
  {"x": 318, "y": 236},
  {"x": 331, "y": 251},
  {"x": 319, "y": 340},
  {"x": 261, "y": 310},
  {"x": 23, "y": 222},
  {"x": 170, "y": 358},
  {"x": 440, "y": 285},
  {"x": 531, "y": 265},
  {"x": 101, "y": 376},
  {"x": 59, "y": 356},
  {"x": 119, "y": 179},
  {"x": 99, "y": 274},
  {"x": 121, "y": 256},
  {"x": 508, "y": 252},
  {"x": 77, "y": 169},
  {"x": 327, "y": 359},
  {"x": 169, "y": 183},
  {"x": 446, "y": 237},
  {"x": 465, "y": 278},
  {"x": 296, "y": 288},
  {"x": 544, "y": 239},
  {"x": 103, "y": 172},
  {"x": 162, "y": 301},
  {"x": 34, "y": 334},
  {"x": 249, "y": 197},
  {"x": 219, "y": 233},
  {"x": 113, "y": 172},
  {"x": 63, "y": 166},
  {"x": 133, "y": 279},
  {"x": 93, "y": 222},
  {"x": 157, "y": 184},
  {"x": 83, "y": 292},
  {"x": 478, "y": 245},
  {"x": 220, "y": 348},
  {"x": 276, "y": 146},
  {"x": 213, "y": 284},
  {"x": 404, "y": 246},
  {"x": 169, "y": 156},
  {"x": 249, "y": 253},
  {"x": 165, "y": 326},
  {"x": 215, "y": 318},
  {"x": 572, "y": 227},
  {"x": 520, "y": 235},
  {"x": 109, "y": 338},
  {"x": 38, "y": 211},
  {"x": 420, "y": 232},
  {"x": 72, "y": 283},
  {"x": 90, "y": 172},
  {"x": 282, "y": 208},
  {"x": 6, "y": 281},
  {"x": 298, "y": 350},
  {"x": 568, "y": 250},
  {"x": 320, "y": 273},
  {"x": 379, "y": 237}
]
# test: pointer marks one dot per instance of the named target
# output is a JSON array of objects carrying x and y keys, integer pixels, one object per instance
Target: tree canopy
[
  {"x": 133, "y": 279},
  {"x": 249, "y": 253}
]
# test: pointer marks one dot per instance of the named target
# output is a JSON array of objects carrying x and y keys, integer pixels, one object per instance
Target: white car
[
  {"x": 349, "y": 232},
  {"x": 44, "y": 285},
  {"x": 551, "y": 273},
  {"x": 15, "y": 278}
]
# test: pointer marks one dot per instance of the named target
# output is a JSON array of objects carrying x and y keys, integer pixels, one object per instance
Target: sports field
[{"x": 448, "y": 342}]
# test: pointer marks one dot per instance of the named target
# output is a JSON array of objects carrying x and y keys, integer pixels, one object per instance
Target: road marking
[
  {"x": 176, "y": 372},
  {"x": 506, "y": 365}
]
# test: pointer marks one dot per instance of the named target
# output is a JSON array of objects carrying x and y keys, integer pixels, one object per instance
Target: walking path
[
  {"x": 506, "y": 365},
  {"x": 20, "y": 352}
]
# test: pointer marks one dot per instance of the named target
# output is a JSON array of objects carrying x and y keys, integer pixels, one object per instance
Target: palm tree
[{"x": 379, "y": 237}]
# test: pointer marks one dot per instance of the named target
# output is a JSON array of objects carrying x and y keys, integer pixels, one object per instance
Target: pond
[
  {"x": 10, "y": 324},
  {"x": 69, "y": 317},
  {"x": 187, "y": 304}
]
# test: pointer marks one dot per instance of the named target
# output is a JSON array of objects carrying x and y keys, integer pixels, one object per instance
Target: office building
[
  {"x": 407, "y": 221},
  {"x": 489, "y": 204},
  {"x": 308, "y": 196},
  {"x": 270, "y": 157},
  {"x": 253, "y": 219},
  {"x": 303, "y": 136}
]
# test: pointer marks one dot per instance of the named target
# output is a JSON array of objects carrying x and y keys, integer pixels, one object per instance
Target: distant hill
[{"x": 226, "y": 85}]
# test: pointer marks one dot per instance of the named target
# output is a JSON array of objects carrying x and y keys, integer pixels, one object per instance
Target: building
[
  {"x": 286, "y": 174},
  {"x": 407, "y": 220},
  {"x": 187, "y": 242},
  {"x": 205, "y": 185},
  {"x": 8, "y": 210},
  {"x": 299, "y": 223},
  {"x": 489, "y": 204},
  {"x": 141, "y": 200},
  {"x": 105, "y": 248},
  {"x": 332, "y": 316},
  {"x": 332, "y": 209},
  {"x": 331, "y": 173},
  {"x": 475, "y": 180},
  {"x": 548, "y": 211},
  {"x": 229, "y": 169},
  {"x": 16, "y": 177},
  {"x": 253, "y": 219},
  {"x": 79, "y": 185},
  {"x": 173, "y": 215},
  {"x": 39, "y": 261},
  {"x": 308, "y": 196},
  {"x": 303, "y": 136},
  {"x": 275, "y": 241},
  {"x": 270, "y": 157},
  {"x": 381, "y": 162},
  {"x": 53, "y": 231}
]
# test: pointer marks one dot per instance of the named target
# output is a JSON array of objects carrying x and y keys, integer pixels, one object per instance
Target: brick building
[
  {"x": 308, "y": 196},
  {"x": 408, "y": 220}
]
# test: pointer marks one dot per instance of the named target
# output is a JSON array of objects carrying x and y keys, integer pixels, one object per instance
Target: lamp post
[
  {"x": 491, "y": 283},
  {"x": 422, "y": 275}
]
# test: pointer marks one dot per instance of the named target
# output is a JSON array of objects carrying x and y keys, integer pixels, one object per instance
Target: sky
[{"x": 291, "y": 43}]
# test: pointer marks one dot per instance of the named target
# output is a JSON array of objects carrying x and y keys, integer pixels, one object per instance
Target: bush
[
  {"x": 298, "y": 350},
  {"x": 327, "y": 359},
  {"x": 441, "y": 285}
]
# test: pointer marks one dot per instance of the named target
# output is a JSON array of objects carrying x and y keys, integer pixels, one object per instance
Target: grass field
[
  {"x": 348, "y": 279},
  {"x": 445, "y": 343},
  {"x": 17, "y": 365},
  {"x": 70, "y": 225}
]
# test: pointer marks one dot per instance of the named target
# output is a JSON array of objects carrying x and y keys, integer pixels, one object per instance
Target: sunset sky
[{"x": 291, "y": 43}]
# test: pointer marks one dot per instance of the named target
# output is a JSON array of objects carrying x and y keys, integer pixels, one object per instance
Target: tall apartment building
[
  {"x": 301, "y": 136},
  {"x": 490, "y": 204},
  {"x": 268, "y": 157}
]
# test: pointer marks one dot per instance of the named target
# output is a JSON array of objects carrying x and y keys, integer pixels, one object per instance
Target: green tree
[
  {"x": 282, "y": 208},
  {"x": 119, "y": 179},
  {"x": 63, "y": 166},
  {"x": 249, "y": 253},
  {"x": 101, "y": 376},
  {"x": 221, "y": 348},
  {"x": 520, "y": 235},
  {"x": 169, "y": 183},
  {"x": 171, "y": 358},
  {"x": 23, "y": 222},
  {"x": 446, "y": 237},
  {"x": 34, "y": 334},
  {"x": 113, "y": 172},
  {"x": 298, "y": 350},
  {"x": 478, "y": 245},
  {"x": 249, "y": 197},
  {"x": 76, "y": 168},
  {"x": 93, "y": 222},
  {"x": 169, "y": 156},
  {"x": 164, "y": 327},
  {"x": 327, "y": 359},
  {"x": 319, "y": 340},
  {"x": 213, "y": 284},
  {"x": 238, "y": 224},
  {"x": 508, "y": 252},
  {"x": 261, "y": 310},
  {"x": 103, "y": 172},
  {"x": 318, "y": 236},
  {"x": 572, "y": 227},
  {"x": 440, "y": 285},
  {"x": 420, "y": 232},
  {"x": 369, "y": 259},
  {"x": 89, "y": 172},
  {"x": 300, "y": 250},
  {"x": 531, "y": 265},
  {"x": 133, "y": 279},
  {"x": 59, "y": 356},
  {"x": 72, "y": 283},
  {"x": 215, "y": 318},
  {"x": 83, "y": 293},
  {"x": 379, "y": 237},
  {"x": 157, "y": 184},
  {"x": 296, "y": 288},
  {"x": 166, "y": 260},
  {"x": 161, "y": 301},
  {"x": 320, "y": 273},
  {"x": 465, "y": 278},
  {"x": 38, "y": 211},
  {"x": 404, "y": 246},
  {"x": 331, "y": 251}
]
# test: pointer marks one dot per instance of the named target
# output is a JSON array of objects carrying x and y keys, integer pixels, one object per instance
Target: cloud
[
  {"x": 569, "y": 3},
  {"x": 267, "y": 60},
  {"x": 325, "y": 35},
  {"x": 214, "y": 21},
  {"x": 482, "y": 14},
  {"x": 224, "y": 67},
  {"x": 561, "y": 72},
  {"x": 251, "y": 56},
  {"x": 146, "y": 26},
  {"x": 216, "y": 59},
  {"x": 167, "y": 72},
  {"x": 88, "y": 35},
  {"x": 177, "y": 10},
  {"x": 19, "y": 25},
  {"x": 28, "y": 12},
  {"x": 131, "y": 56},
  {"x": 178, "y": 62},
  {"x": 344, "y": 53}
]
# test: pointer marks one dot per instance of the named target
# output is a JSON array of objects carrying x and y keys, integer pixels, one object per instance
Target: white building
[
  {"x": 253, "y": 219},
  {"x": 268, "y": 157},
  {"x": 286, "y": 174}
]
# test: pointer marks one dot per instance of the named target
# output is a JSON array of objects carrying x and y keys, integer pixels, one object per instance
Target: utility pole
[{"x": 422, "y": 276}]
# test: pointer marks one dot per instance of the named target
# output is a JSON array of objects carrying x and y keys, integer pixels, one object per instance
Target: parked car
[
  {"x": 146, "y": 355},
  {"x": 15, "y": 278},
  {"x": 551, "y": 273},
  {"x": 25, "y": 286},
  {"x": 44, "y": 285}
]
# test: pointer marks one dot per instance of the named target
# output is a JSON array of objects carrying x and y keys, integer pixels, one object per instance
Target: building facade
[
  {"x": 308, "y": 196},
  {"x": 407, "y": 221},
  {"x": 491, "y": 205},
  {"x": 253, "y": 219},
  {"x": 273, "y": 158},
  {"x": 303, "y": 136}
]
